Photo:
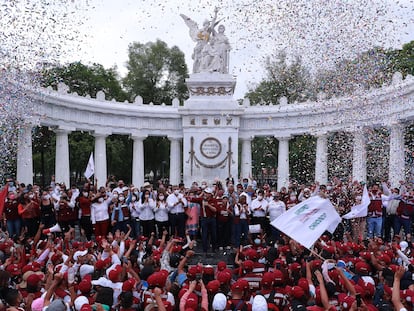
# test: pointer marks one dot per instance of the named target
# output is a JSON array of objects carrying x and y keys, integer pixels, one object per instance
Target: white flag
[
  {"x": 308, "y": 220},
  {"x": 360, "y": 210},
  {"x": 90, "y": 168}
]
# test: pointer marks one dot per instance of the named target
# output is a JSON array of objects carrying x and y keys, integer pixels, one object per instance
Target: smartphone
[{"x": 358, "y": 299}]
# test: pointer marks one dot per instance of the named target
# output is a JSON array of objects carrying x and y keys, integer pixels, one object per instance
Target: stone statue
[{"x": 212, "y": 47}]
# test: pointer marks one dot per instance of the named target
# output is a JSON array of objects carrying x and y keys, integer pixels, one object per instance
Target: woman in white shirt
[
  {"x": 135, "y": 211},
  {"x": 161, "y": 214},
  {"x": 146, "y": 215}
]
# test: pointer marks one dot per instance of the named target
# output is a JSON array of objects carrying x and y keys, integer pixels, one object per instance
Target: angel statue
[{"x": 205, "y": 51}]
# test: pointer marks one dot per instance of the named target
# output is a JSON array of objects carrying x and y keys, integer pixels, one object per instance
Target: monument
[{"x": 210, "y": 117}]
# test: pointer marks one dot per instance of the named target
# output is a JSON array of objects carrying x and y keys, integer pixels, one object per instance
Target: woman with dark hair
[
  {"x": 161, "y": 214},
  {"x": 13, "y": 300},
  {"x": 29, "y": 211},
  {"x": 146, "y": 216},
  {"x": 134, "y": 211},
  {"x": 47, "y": 211},
  {"x": 13, "y": 220},
  {"x": 105, "y": 297}
]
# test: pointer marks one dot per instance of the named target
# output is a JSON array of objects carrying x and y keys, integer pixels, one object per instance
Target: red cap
[
  {"x": 128, "y": 285},
  {"x": 385, "y": 258},
  {"x": 13, "y": 269},
  {"x": 221, "y": 265},
  {"x": 192, "y": 301},
  {"x": 248, "y": 265},
  {"x": 208, "y": 270},
  {"x": 251, "y": 254},
  {"x": 213, "y": 286},
  {"x": 295, "y": 266},
  {"x": 237, "y": 286},
  {"x": 267, "y": 279},
  {"x": 102, "y": 264},
  {"x": 114, "y": 274},
  {"x": 157, "y": 279},
  {"x": 362, "y": 268},
  {"x": 86, "y": 307},
  {"x": 304, "y": 284},
  {"x": 85, "y": 285},
  {"x": 329, "y": 249},
  {"x": 224, "y": 277},
  {"x": 297, "y": 292},
  {"x": 34, "y": 279},
  {"x": 407, "y": 295},
  {"x": 345, "y": 301},
  {"x": 278, "y": 276}
]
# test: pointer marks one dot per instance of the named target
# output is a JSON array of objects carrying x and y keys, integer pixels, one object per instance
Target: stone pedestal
[{"x": 210, "y": 121}]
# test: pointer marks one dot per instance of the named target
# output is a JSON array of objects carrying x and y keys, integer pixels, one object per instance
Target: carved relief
[{"x": 210, "y": 91}]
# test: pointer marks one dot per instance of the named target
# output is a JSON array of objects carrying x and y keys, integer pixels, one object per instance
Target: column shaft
[
  {"x": 396, "y": 168},
  {"x": 175, "y": 161},
  {"x": 62, "y": 169},
  {"x": 283, "y": 163},
  {"x": 100, "y": 159},
  {"x": 359, "y": 162},
  {"x": 321, "y": 164},
  {"x": 246, "y": 155},
  {"x": 25, "y": 155},
  {"x": 138, "y": 161}
]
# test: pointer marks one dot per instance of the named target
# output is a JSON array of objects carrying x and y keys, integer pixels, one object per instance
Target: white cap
[
  {"x": 403, "y": 245},
  {"x": 79, "y": 253},
  {"x": 80, "y": 301},
  {"x": 219, "y": 302}
]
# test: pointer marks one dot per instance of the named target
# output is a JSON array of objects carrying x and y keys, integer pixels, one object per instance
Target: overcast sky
[{"x": 321, "y": 31}]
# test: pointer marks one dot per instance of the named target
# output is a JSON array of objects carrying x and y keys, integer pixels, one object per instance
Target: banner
[
  {"x": 360, "y": 210},
  {"x": 308, "y": 220},
  {"x": 90, "y": 168},
  {"x": 3, "y": 196}
]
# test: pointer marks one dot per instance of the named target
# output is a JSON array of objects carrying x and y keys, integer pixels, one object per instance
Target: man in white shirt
[
  {"x": 275, "y": 209},
  {"x": 258, "y": 208},
  {"x": 176, "y": 204}
]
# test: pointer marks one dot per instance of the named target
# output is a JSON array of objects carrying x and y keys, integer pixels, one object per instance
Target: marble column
[
  {"x": 62, "y": 169},
  {"x": 101, "y": 174},
  {"x": 175, "y": 160},
  {"x": 138, "y": 160},
  {"x": 359, "y": 161},
  {"x": 25, "y": 155},
  {"x": 246, "y": 156},
  {"x": 321, "y": 163},
  {"x": 396, "y": 170},
  {"x": 283, "y": 162}
]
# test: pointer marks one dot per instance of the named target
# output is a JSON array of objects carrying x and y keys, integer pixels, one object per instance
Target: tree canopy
[
  {"x": 156, "y": 72},
  {"x": 86, "y": 80}
]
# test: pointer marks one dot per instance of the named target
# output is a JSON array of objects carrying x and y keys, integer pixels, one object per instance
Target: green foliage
[
  {"x": 156, "y": 72},
  {"x": 369, "y": 69},
  {"x": 86, "y": 80},
  {"x": 302, "y": 156},
  {"x": 282, "y": 79},
  {"x": 403, "y": 60}
]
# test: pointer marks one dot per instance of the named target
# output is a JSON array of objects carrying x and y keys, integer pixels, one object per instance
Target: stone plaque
[{"x": 210, "y": 147}]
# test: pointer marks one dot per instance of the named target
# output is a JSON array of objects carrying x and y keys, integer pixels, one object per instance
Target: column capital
[
  {"x": 397, "y": 126},
  {"x": 138, "y": 136},
  {"x": 174, "y": 137},
  {"x": 101, "y": 134},
  {"x": 283, "y": 138},
  {"x": 64, "y": 129},
  {"x": 246, "y": 138},
  {"x": 320, "y": 134}
]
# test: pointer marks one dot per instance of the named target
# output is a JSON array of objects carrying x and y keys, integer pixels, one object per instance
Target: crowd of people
[{"x": 128, "y": 247}]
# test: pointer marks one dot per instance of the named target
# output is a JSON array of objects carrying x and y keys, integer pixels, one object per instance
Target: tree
[
  {"x": 156, "y": 72},
  {"x": 86, "y": 80},
  {"x": 403, "y": 60},
  {"x": 369, "y": 69},
  {"x": 282, "y": 79}
]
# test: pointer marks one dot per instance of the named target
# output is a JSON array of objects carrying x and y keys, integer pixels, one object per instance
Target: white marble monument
[{"x": 211, "y": 116}]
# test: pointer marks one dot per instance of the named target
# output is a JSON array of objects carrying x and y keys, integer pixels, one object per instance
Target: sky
[{"x": 99, "y": 31}]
